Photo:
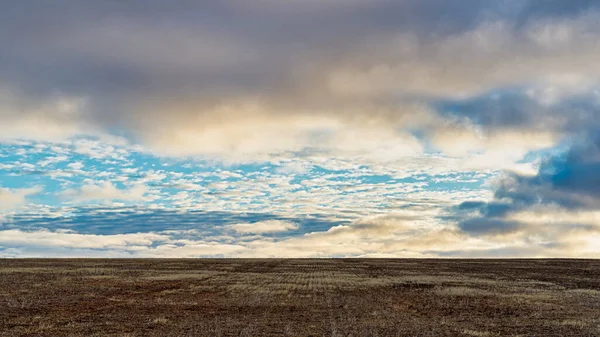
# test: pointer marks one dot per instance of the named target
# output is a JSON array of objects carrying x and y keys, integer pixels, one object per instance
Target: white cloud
[
  {"x": 66, "y": 239},
  {"x": 292, "y": 167},
  {"x": 76, "y": 166},
  {"x": 10, "y": 198},
  {"x": 106, "y": 191},
  {"x": 262, "y": 227}
]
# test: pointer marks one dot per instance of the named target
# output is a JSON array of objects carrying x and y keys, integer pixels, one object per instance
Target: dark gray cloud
[
  {"x": 119, "y": 47},
  {"x": 124, "y": 47},
  {"x": 484, "y": 226},
  {"x": 515, "y": 109},
  {"x": 156, "y": 70}
]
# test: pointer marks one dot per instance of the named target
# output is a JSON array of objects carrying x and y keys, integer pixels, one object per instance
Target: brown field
[{"x": 299, "y": 297}]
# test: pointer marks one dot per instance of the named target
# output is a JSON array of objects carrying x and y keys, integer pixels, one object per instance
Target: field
[{"x": 299, "y": 297}]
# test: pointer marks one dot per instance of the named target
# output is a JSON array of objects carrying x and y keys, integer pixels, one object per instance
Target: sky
[{"x": 300, "y": 128}]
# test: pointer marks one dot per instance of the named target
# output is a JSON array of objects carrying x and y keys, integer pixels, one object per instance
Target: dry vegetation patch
[{"x": 303, "y": 297}]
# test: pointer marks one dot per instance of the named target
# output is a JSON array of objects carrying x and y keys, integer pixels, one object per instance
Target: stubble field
[{"x": 299, "y": 297}]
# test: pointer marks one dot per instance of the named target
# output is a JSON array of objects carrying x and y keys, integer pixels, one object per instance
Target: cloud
[
  {"x": 66, "y": 239},
  {"x": 483, "y": 226},
  {"x": 188, "y": 85},
  {"x": 267, "y": 226},
  {"x": 558, "y": 206},
  {"x": 107, "y": 191},
  {"x": 10, "y": 198},
  {"x": 410, "y": 234},
  {"x": 367, "y": 236},
  {"x": 290, "y": 167},
  {"x": 400, "y": 235},
  {"x": 569, "y": 180},
  {"x": 474, "y": 60},
  {"x": 55, "y": 117}
]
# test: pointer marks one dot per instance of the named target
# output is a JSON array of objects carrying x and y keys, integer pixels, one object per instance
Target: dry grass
[{"x": 299, "y": 297}]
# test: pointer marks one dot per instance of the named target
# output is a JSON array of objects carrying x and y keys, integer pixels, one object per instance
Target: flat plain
[{"x": 299, "y": 297}]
